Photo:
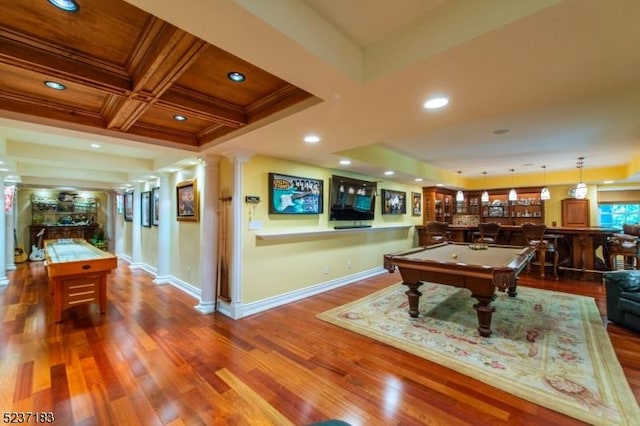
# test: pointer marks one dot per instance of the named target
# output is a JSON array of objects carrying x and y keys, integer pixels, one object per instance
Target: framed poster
[
  {"x": 187, "y": 200},
  {"x": 416, "y": 204},
  {"x": 145, "y": 205},
  {"x": 394, "y": 202},
  {"x": 155, "y": 206},
  {"x": 128, "y": 206},
  {"x": 294, "y": 195}
]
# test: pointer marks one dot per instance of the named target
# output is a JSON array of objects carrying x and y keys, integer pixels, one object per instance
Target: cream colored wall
[
  {"x": 272, "y": 268},
  {"x": 185, "y": 236}
]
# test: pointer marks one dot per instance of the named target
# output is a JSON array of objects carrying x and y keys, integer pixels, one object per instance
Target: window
[{"x": 616, "y": 215}]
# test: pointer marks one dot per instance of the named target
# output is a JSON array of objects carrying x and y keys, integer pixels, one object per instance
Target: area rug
[{"x": 547, "y": 347}]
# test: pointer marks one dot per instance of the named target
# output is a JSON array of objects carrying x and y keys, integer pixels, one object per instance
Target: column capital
[{"x": 239, "y": 155}]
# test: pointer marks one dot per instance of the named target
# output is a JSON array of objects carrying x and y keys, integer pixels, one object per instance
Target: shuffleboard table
[
  {"x": 77, "y": 274},
  {"x": 480, "y": 268}
]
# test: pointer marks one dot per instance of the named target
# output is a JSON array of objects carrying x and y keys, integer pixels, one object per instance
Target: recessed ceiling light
[
  {"x": 608, "y": 181},
  {"x": 236, "y": 76},
  {"x": 388, "y": 172},
  {"x": 55, "y": 85},
  {"x": 345, "y": 162},
  {"x": 312, "y": 139},
  {"x": 179, "y": 117},
  {"x": 66, "y": 5},
  {"x": 95, "y": 145},
  {"x": 418, "y": 179},
  {"x": 3, "y": 169},
  {"x": 435, "y": 103}
]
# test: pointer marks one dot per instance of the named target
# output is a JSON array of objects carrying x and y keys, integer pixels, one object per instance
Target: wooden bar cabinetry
[{"x": 440, "y": 205}]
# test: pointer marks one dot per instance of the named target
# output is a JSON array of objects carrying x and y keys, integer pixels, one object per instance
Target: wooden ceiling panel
[
  {"x": 106, "y": 30},
  {"x": 30, "y": 86},
  {"x": 208, "y": 75},
  {"x": 163, "y": 118},
  {"x": 130, "y": 72}
]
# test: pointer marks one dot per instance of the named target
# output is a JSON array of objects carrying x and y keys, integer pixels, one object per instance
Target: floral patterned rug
[{"x": 547, "y": 347}]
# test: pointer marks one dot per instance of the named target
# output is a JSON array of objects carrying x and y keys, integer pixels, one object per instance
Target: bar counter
[{"x": 578, "y": 247}]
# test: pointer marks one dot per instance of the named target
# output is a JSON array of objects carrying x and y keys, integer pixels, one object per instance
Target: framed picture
[
  {"x": 187, "y": 200},
  {"x": 145, "y": 212},
  {"x": 155, "y": 206},
  {"x": 394, "y": 202},
  {"x": 496, "y": 211},
  {"x": 128, "y": 206},
  {"x": 294, "y": 195},
  {"x": 416, "y": 204}
]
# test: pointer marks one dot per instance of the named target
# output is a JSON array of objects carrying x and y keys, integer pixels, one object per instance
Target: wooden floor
[{"x": 154, "y": 360}]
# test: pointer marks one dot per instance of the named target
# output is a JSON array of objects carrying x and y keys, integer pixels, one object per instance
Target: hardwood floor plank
[{"x": 153, "y": 360}]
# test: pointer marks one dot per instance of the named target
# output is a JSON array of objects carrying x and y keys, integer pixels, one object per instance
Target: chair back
[
  {"x": 437, "y": 232},
  {"x": 534, "y": 233},
  {"x": 489, "y": 230}
]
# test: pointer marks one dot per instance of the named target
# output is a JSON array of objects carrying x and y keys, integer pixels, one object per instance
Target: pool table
[
  {"x": 77, "y": 273},
  {"x": 457, "y": 264}
]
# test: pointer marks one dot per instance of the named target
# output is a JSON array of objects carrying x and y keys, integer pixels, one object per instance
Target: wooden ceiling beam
[
  {"x": 194, "y": 104},
  {"x": 168, "y": 53},
  {"x": 60, "y": 64}
]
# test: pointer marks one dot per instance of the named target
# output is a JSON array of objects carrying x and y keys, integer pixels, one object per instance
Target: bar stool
[
  {"x": 534, "y": 237},
  {"x": 626, "y": 246},
  {"x": 488, "y": 233}
]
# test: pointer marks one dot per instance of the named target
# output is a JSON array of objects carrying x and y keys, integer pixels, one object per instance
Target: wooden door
[{"x": 575, "y": 213}]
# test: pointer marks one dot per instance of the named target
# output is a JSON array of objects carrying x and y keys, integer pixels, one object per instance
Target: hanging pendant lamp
[
  {"x": 513, "y": 195},
  {"x": 459, "y": 194},
  {"x": 581, "y": 188},
  {"x": 485, "y": 195},
  {"x": 544, "y": 194}
]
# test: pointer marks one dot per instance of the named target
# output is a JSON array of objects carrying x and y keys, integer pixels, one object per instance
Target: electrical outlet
[
  {"x": 348, "y": 264},
  {"x": 325, "y": 270}
]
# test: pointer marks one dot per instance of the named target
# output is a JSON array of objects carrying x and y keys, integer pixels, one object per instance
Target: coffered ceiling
[{"x": 560, "y": 77}]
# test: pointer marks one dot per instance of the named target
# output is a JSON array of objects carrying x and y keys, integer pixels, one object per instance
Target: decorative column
[
  {"x": 4, "y": 280},
  {"x": 235, "y": 306},
  {"x": 136, "y": 229},
  {"x": 10, "y": 226},
  {"x": 118, "y": 229},
  {"x": 209, "y": 202},
  {"x": 163, "y": 269},
  {"x": 110, "y": 223}
]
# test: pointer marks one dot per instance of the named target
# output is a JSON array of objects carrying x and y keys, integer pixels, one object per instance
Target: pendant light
[
  {"x": 459, "y": 194},
  {"x": 485, "y": 195},
  {"x": 513, "y": 195},
  {"x": 581, "y": 188},
  {"x": 544, "y": 194}
]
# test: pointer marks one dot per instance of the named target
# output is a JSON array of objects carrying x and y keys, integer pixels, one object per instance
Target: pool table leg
[
  {"x": 413, "y": 296},
  {"x": 485, "y": 312}
]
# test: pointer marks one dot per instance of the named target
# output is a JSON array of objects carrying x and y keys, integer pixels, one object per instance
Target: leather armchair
[{"x": 623, "y": 298}]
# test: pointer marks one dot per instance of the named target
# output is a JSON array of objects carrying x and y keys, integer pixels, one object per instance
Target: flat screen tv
[{"x": 352, "y": 199}]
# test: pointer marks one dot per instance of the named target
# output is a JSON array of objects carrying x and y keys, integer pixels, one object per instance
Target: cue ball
[{"x": 455, "y": 256}]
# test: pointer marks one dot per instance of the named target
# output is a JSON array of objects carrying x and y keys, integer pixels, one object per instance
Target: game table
[
  {"x": 77, "y": 273},
  {"x": 480, "y": 268}
]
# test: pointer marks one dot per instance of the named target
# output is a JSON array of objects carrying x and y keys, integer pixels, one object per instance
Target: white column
[
  {"x": 235, "y": 268},
  {"x": 110, "y": 222},
  {"x": 209, "y": 202},
  {"x": 118, "y": 234},
  {"x": 136, "y": 229},
  {"x": 4, "y": 280},
  {"x": 10, "y": 227},
  {"x": 163, "y": 271}
]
